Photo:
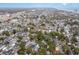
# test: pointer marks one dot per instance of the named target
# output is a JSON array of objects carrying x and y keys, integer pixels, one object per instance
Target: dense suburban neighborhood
[{"x": 39, "y": 32}]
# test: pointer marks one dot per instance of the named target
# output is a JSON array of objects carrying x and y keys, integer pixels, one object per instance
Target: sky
[{"x": 70, "y": 6}]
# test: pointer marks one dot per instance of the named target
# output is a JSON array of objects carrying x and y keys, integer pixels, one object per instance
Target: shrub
[
  {"x": 42, "y": 51},
  {"x": 22, "y": 49},
  {"x": 76, "y": 51},
  {"x": 51, "y": 46},
  {"x": 40, "y": 36},
  {"x": 25, "y": 29},
  {"x": 29, "y": 51},
  {"x": 14, "y": 31},
  {"x": 19, "y": 38},
  {"x": 2, "y": 38},
  {"x": 43, "y": 17},
  {"x": 6, "y": 33},
  {"x": 73, "y": 40},
  {"x": 66, "y": 49},
  {"x": 31, "y": 36}
]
